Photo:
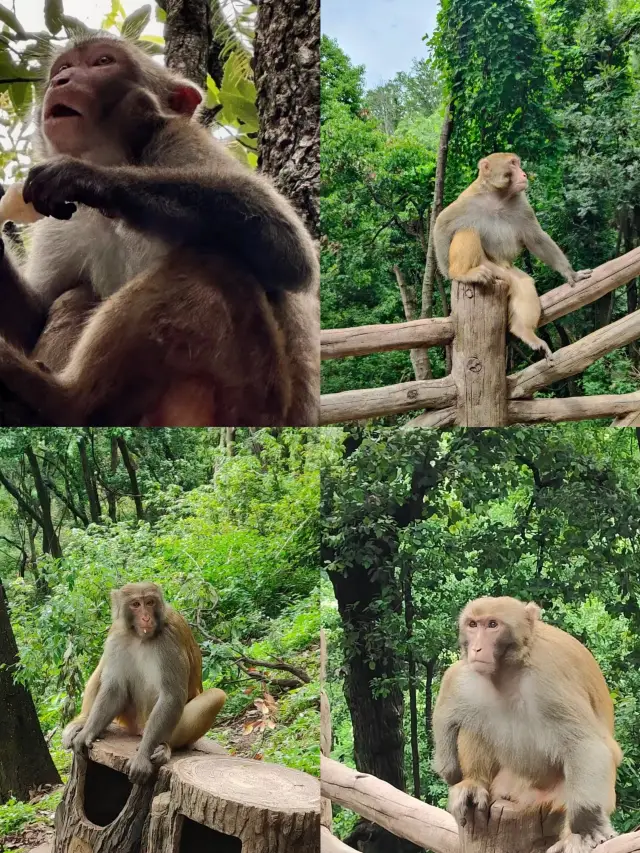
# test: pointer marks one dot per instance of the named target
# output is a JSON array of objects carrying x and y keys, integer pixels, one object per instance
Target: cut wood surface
[
  {"x": 576, "y": 357},
  {"x": 390, "y": 808},
  {"x": 605, "y": 278},
  {"x": 363, "y": 340},
  {"x": 390, "y": 400},
  {"x": 551, "y": 410}
]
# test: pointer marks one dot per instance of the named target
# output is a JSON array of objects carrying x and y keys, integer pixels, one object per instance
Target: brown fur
[
  {"x": 526, "y": 714},
  {"x": 190, "y": 340}
]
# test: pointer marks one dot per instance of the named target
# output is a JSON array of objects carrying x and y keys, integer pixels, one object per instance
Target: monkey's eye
[
  {"x": 493, "y": 623},
  {"x": 62, "y": 67},
  {"x": 105, "y": 59},
  {"x": 135, "y": 604},
  {"x": 473, "y": 623}
]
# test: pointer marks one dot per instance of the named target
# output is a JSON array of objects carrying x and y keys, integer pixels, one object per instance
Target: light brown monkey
[
  {"x": 208, "y": 278},
  {"x": 480, "y": 235},
  {"x": 526, "y": 710},
  {"x": 149, "y": 679}
]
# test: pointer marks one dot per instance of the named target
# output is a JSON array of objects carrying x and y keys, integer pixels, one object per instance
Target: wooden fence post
[
  {"x": 478, "y": 363},
  {"x": 510, "y": 830}
]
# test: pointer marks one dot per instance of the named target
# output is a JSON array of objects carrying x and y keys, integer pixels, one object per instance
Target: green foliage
[{"x": 15, "y": 815}]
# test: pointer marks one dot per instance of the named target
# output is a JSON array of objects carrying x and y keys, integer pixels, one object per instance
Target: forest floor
[{"x": 235, "y": 736}]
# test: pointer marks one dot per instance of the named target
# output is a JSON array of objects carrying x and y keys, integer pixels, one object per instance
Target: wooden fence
[{"x": 478, "y": 391}]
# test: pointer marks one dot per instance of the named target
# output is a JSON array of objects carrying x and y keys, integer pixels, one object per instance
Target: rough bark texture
[
  {"x": 187, "y": 34},
  {"x": 438, "y": 196},
  {"x": 419, "y": 357},
  {"x": 479, "y": 353},
  {"x": 202, "y": 799},
  {"x": 287, "y": 78},
  {"x": 25, "y": 763},
  {"x": 512, "y": 831}
]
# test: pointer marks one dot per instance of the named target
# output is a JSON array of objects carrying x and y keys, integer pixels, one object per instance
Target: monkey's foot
[
  {"x": 161, "y": 755},
  {"x": 580, "y": 276},
  {"x": 140, "y": 769},
  {"x": 482, "y": 274},
  {"x": 468, "y": 801},
  {"x": 575, "y": 843},
  {"x": 70, "y": 734}
]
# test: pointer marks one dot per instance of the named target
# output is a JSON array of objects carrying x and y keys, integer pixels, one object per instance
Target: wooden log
[
  {"x": 390, "y": 808},
  {"x": 630, "y": 420},
  {"x": 479, "y": 353},
  {"x": 389, "y": 400},
  {"x": 511, "y": 830},
  {"x": 363, "y": 340},
  {"x": 605, "y": 278},
  {"x": 551, "y": 410},
  {"x": 574, "y": 358},
  {"x": 330, "y": 844},
  {"x": 233, "y": 804},
  {"x": 438, "y": 418}
]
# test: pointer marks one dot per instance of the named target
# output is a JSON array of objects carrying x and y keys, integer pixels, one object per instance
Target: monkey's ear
[
  {"x": 533, "y": 612},
  {"x": 483, "y": 164},
  {"x": 116, "y": 601},
  {"x": 185, "y": 98}
]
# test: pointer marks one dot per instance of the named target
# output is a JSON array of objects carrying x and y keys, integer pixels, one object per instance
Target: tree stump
[
  {"x": 511, "y": 830},
  {"x": 234, "y": 804},
  {"x": 202, "y": 799}
]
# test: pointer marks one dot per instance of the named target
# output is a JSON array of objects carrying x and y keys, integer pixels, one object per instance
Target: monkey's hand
[
  {"x": 70, "y": 733},
  {"x": 469, "y": 801},
  {"x": 54, "y": 186},
  {"x": 573, "y": 276},
  {"x": 161, "y": 755},
  {"x": 140, "y": 769}
]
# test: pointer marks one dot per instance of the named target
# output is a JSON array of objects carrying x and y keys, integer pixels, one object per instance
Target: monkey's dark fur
[{"x": 208, "y": 279}]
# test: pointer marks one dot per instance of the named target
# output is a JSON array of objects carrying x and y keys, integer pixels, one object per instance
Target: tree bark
[
  {"x": 25, "y": 762},
  {"x": 438, "y": 196},
  {"x": 287, "y": 78},
  {"x": 419, "y": 357},
  {"x": 89, "y": 484},
  {"x": 50, "y": 541},
  {"x": 187, "y": 34},
  {"x": 409, "y": 615},
  {"x": 131, "y": 471}
]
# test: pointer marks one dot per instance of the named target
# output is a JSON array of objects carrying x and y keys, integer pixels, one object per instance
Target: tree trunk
[
  {"x": 409, "y": 615},
  {"x": 419, "y": 357},
  {"x": 187, "y": 33},
  {"x": 90, "y": 486},
  {"x": 428, "y": 700},
  {"x": 50, "y": 541},
  {"x": 287, "y": 78},
  {"x": 25, "y": 762},
  {"x": 131, "y": 471}
]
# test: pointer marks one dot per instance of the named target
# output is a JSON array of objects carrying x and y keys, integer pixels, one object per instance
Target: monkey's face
[
  {"x": 483, "y": 642},
  {"x": 85, "y": 85},
  {"x": 144, "y": 615},
  {"x": 504, "y": 172}
]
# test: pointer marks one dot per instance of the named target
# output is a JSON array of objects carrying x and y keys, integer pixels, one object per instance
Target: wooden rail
[{"x": 478, "y": 391}]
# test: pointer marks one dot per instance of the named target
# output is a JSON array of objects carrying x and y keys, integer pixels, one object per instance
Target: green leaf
[
  {"x": 134, "y": 25},
  {"x": 53, "y": 12},
  {"x": 7, "y": 17}
]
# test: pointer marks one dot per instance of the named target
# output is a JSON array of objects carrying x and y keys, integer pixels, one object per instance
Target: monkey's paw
[
  {"x": 52, "y": 187},
  {"x": 140, "y": 769},
  {"x": 469, "y": 802},
  {"x": 573, "y": 277},
  {"x": 575, "y": 843},
  {"x": 482, "y": 275},
  {"x": 70, "y": 734},
  {"x": 161, "y": 755}
]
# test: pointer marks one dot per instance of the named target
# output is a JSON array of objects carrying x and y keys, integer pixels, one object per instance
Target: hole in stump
[
  {"x": 196, "y": 838},
  {"x": 105, "y": 793}
]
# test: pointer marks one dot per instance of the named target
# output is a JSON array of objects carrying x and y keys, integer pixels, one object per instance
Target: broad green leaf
[
  {"x": 53, "y": 12},
  {"x": 135, "y": 23}
]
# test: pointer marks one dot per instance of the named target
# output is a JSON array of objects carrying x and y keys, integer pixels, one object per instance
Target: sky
[
  {"x": 90, "y": 12},
  {"x": 382, "y": 35}
]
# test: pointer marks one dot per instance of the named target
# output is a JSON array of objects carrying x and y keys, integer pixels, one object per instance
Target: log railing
[
  {"x": 508, "y": 830},
  {"x": 478, "y": 391}
]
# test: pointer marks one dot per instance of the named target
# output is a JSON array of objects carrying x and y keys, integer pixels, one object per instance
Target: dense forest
[
  {"x": 558, "y": 82},
  {"x": 418, "y": 523},
  {"x": 226, "y": 521}
]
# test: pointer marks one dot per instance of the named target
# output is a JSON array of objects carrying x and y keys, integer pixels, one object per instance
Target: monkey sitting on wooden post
[
  {"x": 525, "y": 715},
  {"x": 205, "y": 277},
  {"x": 149, "y": 680},
  {"x": 480, "y": 235}
]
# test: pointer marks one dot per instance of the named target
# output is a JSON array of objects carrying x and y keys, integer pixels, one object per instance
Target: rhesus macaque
[
  {"x": 149, "y": 680},
  {"x": 525, "y": 713},
  {"x": 479, "y": 236},
  {"x": 206, "y": 277}
]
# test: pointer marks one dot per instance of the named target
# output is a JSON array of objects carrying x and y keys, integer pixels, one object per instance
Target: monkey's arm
[
  {"x": 542, "y": 246},
  {"x": 154, "y": 748},
  {"x": 446, "y": 726},
  {"x": 234, "y": 212},
  {"x": 110, "y": 700},
  {"x": 22, "y": 318}
]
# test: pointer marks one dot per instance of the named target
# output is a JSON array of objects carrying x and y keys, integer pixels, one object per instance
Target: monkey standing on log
[
  {"x": 206, "y": 277},
  {"x": 480, "y": 235},
  {"x": 150, "y": 679}
]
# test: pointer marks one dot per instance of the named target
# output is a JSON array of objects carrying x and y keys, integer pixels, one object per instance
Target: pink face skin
[
  {"x": 519, "y": 180},
  {"x": 143, "y": 617},
  {"x": 482, "y": 633}
]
